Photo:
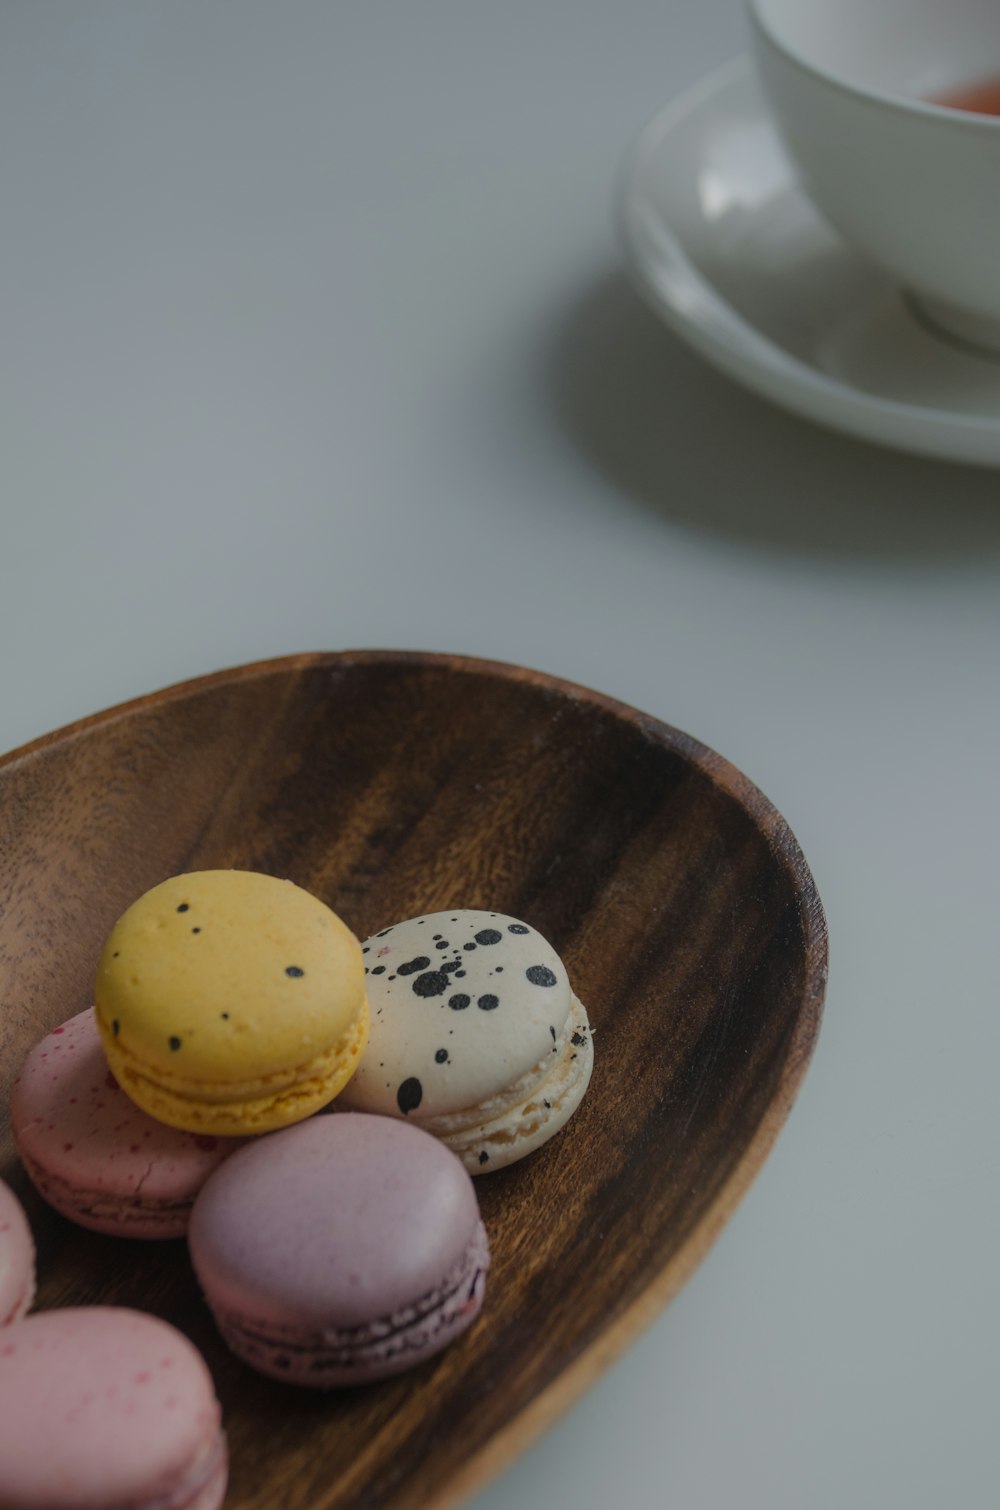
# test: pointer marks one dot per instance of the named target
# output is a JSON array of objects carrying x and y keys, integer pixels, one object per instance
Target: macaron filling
[
  {"x": 203, "y": 1484},
  {"x": 103, "y": 1210},
  {"x": 521, "y": 1092},
  {"x": 483, "y": 1137},
  {"x": 17, "y": 1259},
  {"x": 231, "y": 1108},
  {"x": 341, "y": 1355}
]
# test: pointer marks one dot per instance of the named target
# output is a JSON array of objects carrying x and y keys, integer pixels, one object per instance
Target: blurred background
[{"x": 315, "y": 335}]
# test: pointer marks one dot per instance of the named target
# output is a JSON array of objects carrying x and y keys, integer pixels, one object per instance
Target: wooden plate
[{"x": 395, "y": 784}]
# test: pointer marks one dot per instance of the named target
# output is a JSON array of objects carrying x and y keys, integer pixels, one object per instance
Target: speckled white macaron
[{"x": 476, "y": 1035}]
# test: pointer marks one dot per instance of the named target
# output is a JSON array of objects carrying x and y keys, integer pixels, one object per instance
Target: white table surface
[{"x": 315, "y": 335}]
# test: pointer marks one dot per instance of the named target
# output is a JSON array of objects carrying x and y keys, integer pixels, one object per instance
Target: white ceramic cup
[{"x": 913, "y": 184}]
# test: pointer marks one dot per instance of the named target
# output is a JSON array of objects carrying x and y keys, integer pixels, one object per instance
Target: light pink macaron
[
  {"x": 17, "y": 1258},
  {"x": 110, "y": 1408},
  {"x": 89, "y": 1150}
]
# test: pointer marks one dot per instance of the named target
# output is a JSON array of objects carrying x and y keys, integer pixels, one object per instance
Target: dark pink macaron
[
  {"x": 110, "y": 1408},
  {"x": 89, "y": 1150},
  {"x": 340, "y": 1251},
  {"x": 17, "y": 1258}
]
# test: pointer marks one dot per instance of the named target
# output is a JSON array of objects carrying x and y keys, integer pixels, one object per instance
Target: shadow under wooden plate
[{"x": 393, "y": 784}]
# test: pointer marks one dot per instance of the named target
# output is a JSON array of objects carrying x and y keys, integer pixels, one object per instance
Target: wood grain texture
[{"x": 393, "y": 784}]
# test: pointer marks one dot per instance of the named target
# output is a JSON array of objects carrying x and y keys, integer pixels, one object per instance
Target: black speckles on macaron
[
  {"x": 184, "y": 907},
  {"x": 174, "y": 1044},
  {"x": 409, "y": 1095},
  {"x": 578, "y": 1040},
  {"x": 442, "y": 944},
  {"x": 488, "y": 936},
  {"x": 431, "y": 983},
  {"x": 484, "y": 1157},
  {"x": 459, "y": 1002},
  {"x": 518, "y": 928},
  {"x": 441, "y": 1057},
  {"x": 540, "y": 975},
  {"x": 488, "y": 1002},
  {"x": 413, "y": 965},
  {"x": 378, "y": 970}
]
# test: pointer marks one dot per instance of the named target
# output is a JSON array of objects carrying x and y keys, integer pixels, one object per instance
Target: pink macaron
[
  {"x": 17, "y": 1258},
  {"x": 89, "y": 1150},
  {"x": 340, "y": 1251},
  {"x": 108, "y": 1408}
]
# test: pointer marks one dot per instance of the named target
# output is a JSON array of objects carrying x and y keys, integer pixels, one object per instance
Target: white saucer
[{"x": 724, "y": 242}]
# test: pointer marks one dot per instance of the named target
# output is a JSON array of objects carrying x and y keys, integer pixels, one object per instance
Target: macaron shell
[
  {"x": 92, "y": 1153},
  {"x": 17, "y": 1258},
  {"x": 228, "y": 976},
  {"x": 104, "y": 1407},
  {"x": 337, "y": 1222},
  {"x": 463, "y": 1004}
]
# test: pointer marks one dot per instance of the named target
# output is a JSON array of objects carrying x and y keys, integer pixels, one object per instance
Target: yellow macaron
[{"x": 231, "y": 1002}]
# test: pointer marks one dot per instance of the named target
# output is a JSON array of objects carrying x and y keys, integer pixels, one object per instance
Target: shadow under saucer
[{"x": 677, "y": 437}]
